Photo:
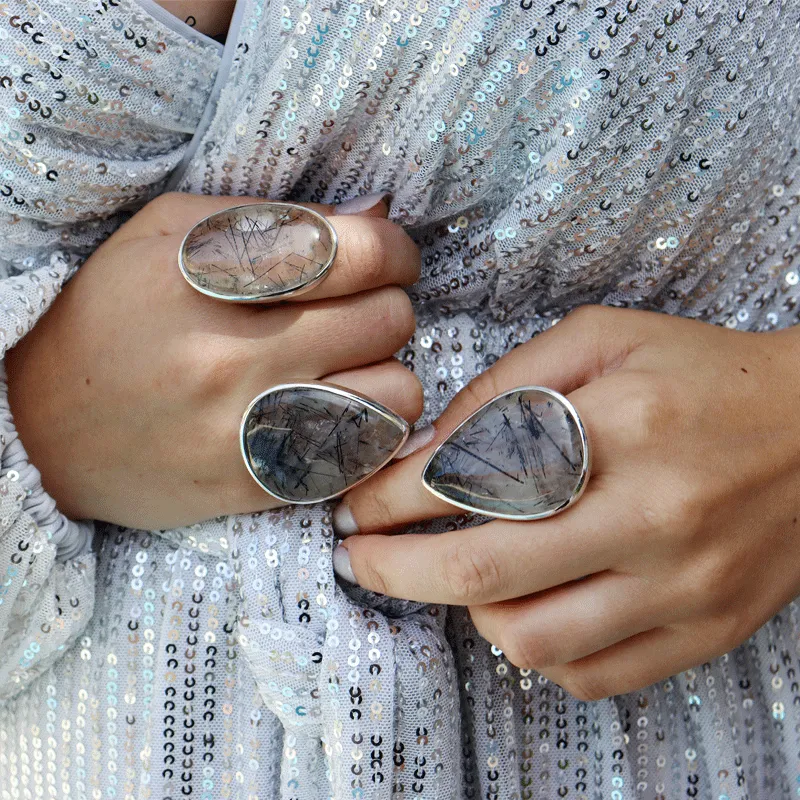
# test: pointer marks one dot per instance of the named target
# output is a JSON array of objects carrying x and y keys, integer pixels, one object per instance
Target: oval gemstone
[
  {"x": 524, "y": 455},
  {"x": 305, "y": 443},
  {"x": 258, "y": 252}
]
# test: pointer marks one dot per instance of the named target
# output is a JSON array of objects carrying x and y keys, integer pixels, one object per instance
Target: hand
[
  {"x": 687, "y": 539},
  {"x": 129, "y": 392}
]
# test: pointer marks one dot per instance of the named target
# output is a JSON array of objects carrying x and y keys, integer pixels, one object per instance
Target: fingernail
[
  {"x": 416, "y": 441},
  {"x": 341, "y": 564},
  {"x": 344, "y": 523},
  {"x": 361, "y": 203}
]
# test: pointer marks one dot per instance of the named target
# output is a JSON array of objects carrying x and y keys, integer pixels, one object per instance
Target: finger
[
  {"x": 395, "y": 497},
  {"x": 489, "y": 563},
  {"x": 389, "y": 382},
  {"x": 372, "y": 252},
  {"x": 175, "y": 213},
  {"x": 570, "y": 358},
  {"x": 337, "y": 334},
  {"x": 634, "y": 663},
  {"x": 570, "y": 621},
  {"x": 587, "y": 344},
  {"x": 392, "y": 498}
]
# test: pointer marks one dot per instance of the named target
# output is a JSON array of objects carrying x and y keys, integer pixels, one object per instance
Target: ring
[
  {"x": 309, "y": 442},
  {"x": 258, "y": 253},
  {"x": 523, "y": 455}
]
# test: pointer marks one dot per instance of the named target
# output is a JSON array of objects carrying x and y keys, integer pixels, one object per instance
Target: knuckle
[
  {"x": 369, "y": 573},
  {"x": 399, "y": 313},
  {"x": 590, "y": 316},
  {"x": 733, "y": 627},
  {"x": 379, "y": 509},
  {"x": 678, "y": 515},
  {"x": 716, "y": 581},
  {"x": 674, "y": 521},
  {"x": 471, "y": 574},
  {"x": 527, "y": 651},
  {"x": 583, "y": 685},
  {"x": 367, "y": 254},
  {"x": 644, "y": 412},
  {"x": 209, "y": 369},
  {"x": 412, "y": 392}
]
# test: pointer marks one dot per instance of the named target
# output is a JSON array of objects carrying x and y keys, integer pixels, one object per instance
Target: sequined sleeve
[
  {"x": 98, "y": 104},
  {"x": 46, "y": 564}
]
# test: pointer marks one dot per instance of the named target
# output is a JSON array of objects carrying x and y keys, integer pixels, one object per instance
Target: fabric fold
[{"x": 369, "y": 702}]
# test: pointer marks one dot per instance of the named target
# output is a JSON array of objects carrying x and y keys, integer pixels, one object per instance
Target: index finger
[
  {"x": 373, "y": 252},
  {"x": 488, "y": 563}
]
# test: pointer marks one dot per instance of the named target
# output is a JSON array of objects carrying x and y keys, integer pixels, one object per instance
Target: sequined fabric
[{"x": 544, "y": 155}]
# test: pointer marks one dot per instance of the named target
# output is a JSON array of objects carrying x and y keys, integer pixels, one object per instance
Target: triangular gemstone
[
  {"x": 310, "y": 442},
  {"x": 524, "y": 455},
  {"x": 258, "y": 252}
]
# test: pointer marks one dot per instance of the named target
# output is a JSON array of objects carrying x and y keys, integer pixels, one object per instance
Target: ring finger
[
  {"x": 339, "y": 334},
  {"x": 396, "y": 497},
  {"x": 389, "y": 383}
]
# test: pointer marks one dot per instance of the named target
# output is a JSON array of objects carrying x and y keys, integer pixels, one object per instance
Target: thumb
[{"x": 584, "y": 346}]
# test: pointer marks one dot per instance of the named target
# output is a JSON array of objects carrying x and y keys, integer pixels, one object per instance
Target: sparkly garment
[{"x": 544, "y": 155}]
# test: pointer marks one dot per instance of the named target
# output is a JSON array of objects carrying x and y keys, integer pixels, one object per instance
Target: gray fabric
[{"x": 544, "y": 156}]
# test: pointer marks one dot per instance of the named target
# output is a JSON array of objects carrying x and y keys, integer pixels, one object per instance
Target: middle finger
[
  {"x": 337, "y": 334},
  {"x": 372, "y": 252}
]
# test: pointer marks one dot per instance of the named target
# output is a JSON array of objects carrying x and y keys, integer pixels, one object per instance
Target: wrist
[
  {"x": 71, "y": 539},
  {"x": 30, "y": 378}
]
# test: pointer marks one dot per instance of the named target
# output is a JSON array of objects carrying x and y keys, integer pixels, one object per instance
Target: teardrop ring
[
  {"x": 309, "y": 442},
  {"x": 524, "y": 455}
]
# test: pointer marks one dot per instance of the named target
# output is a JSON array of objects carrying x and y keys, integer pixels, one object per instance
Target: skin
[
  {"x": 211, "y": 17},
  {"x": 686, "y": 540},
  {"x": 143, "y": 380}
]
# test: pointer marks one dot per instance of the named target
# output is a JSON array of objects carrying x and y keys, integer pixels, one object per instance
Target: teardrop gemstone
[
  {"x": 524, "y": 455},
  {"x": 258, "y": 253},
  {"x": 305, "y": 443}
]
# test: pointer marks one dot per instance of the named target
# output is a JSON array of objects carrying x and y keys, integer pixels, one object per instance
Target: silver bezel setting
[
  {"x": 334, "y": 389},
  {"x": 585, "y": 453},
  {"x": 273, "y": 297}
]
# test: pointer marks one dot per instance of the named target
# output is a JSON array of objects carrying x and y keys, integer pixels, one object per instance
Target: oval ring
[{"x": 258, "y": 253}]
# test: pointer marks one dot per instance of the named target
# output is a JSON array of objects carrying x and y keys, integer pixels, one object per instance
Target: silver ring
[
  {"x": 309, "y": 442},
  {"x": 524, "y": 455},
  {"x": 258, "y": 253}
]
